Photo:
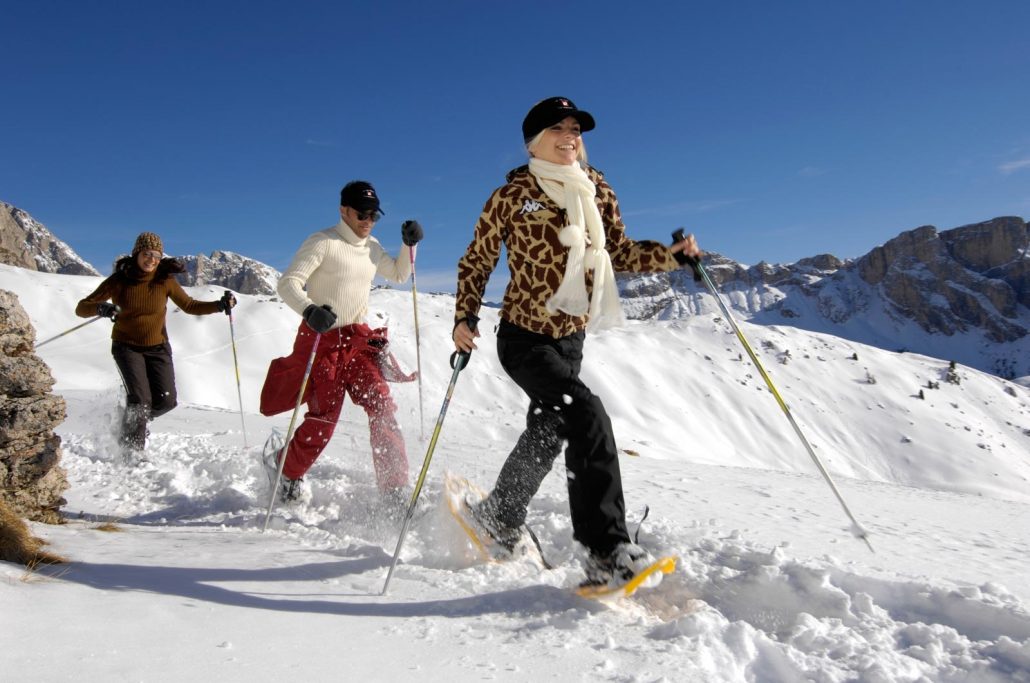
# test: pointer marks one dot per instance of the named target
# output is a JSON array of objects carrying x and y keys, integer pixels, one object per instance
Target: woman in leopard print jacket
[{"x": 560, "y": 223}]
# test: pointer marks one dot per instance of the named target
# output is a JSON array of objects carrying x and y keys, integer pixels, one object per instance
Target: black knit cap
[
  {"x": 360, "y": 195},
  {"x": 548, "y": 112}
]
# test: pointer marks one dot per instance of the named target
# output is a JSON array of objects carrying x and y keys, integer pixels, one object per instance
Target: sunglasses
[{"x": 373, "y": 215}]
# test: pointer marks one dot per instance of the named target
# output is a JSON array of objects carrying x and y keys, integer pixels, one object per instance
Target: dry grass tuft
[
  {"x": 109, "y": 527},
  {"x": 17, "y": 544}
]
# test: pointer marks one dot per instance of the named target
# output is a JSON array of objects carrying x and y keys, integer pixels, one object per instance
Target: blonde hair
[{"x": 581, "y": 152}]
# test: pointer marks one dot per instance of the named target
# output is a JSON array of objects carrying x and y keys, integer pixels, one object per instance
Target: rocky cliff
[
  {"x": 961, "y": 288},
  {"x": 31, "y": 478},
  {"x": 976, "y": 276},
  {"x": 226, "y": 269},
  {"x": 27, "y": 243}
]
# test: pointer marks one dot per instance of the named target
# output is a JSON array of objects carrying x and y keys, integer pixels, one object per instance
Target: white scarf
[{"x": 570, "y": 188}]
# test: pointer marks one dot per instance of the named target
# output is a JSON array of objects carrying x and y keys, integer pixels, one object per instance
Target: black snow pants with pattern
[{"x": 561, "y": 408}]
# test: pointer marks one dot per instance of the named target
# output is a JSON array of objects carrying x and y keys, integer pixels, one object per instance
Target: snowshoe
[
  {"x": 619, "y": 566},
  {"x": 270, "y": 456},
  {"x": 622, "y": 571},
  {"x": 491, "y": 540}
]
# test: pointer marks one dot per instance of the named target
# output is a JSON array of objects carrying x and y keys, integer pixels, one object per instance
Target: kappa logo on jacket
[{"x": 530, "y": 206}]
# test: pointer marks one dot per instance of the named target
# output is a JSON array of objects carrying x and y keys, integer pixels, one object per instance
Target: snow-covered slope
[
  {"x": 685, "y": 380},
  {"x": 771, "y": 586}
]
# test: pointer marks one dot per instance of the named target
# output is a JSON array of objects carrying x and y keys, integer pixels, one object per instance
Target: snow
[{"x": 770, "y": 586}]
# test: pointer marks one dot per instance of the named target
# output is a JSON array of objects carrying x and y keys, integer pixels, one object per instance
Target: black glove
[
  {"x": 411, "y": 233},
  {"x": 108, "y": 310},
  {"x": 227, "y": 302},
  {"x": 319, "y": 318}
]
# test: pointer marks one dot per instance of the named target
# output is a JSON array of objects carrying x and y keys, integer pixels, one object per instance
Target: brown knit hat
[{"x": 147, "y": 241}]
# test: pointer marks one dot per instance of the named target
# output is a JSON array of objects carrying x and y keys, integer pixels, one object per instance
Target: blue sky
[{"x": 772, "y": 130}]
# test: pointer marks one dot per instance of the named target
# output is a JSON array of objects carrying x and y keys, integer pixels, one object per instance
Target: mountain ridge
[
  {"x": 27, "y": 243},
  {"x": 966, "y": 290},
  {"x": 960, "y": 294}
]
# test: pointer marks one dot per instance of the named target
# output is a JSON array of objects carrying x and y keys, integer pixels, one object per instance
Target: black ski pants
[
  {"x": 561, "y": 408},
  {"x": 149, "y": 379}
]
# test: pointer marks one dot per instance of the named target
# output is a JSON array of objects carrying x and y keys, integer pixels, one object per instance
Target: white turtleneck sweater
[{"x": 336, "y": 267}]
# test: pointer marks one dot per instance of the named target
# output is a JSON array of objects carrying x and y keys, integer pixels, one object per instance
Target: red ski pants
[{"x": 346, "y": 364}]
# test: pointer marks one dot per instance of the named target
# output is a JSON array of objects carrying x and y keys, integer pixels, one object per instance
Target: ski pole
[
  {"x": 236, "y": 364},
  {"x": 701, "y": 274},
  {"x": 58, "y": 336},
  {"x": 289, "y": 431},
  {"x": 418, "y": 348},
  {"x": 459, "y": 359}
]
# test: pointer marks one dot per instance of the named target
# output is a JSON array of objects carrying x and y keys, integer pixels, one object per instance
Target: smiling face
[
  {"x": 560, "y": 143},
  {"x": 148, "y": 259}
]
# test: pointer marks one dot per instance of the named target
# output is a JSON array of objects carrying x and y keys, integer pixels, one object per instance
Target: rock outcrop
[
  {"x": 31, "y": 478},
  {"x": 971, "y": 280},
  {"x": 226, "y": 269},
  {"x": 26, "y": 243},
  {"x": 975, "y": 276}
]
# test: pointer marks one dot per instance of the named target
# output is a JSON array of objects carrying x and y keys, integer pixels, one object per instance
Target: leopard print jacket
[{"x": 520, "y": 216}]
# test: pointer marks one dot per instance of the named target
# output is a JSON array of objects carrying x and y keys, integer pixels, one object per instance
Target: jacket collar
[{"x": 348, "y": 235}]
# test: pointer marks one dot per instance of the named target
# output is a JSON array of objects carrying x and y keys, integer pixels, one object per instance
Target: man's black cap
[{"x": 360, "y": 195}]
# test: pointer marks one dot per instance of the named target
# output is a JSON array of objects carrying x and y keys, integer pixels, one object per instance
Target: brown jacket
[
  {"x": 520, "y": 216},
  {"x": 143, "y": 299}
]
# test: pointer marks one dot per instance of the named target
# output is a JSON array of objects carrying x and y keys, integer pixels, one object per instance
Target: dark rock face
[{"x": 31, "y": 478}]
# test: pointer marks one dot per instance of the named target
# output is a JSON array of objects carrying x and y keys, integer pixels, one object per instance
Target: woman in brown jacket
[{"x": 138, "y": 292}]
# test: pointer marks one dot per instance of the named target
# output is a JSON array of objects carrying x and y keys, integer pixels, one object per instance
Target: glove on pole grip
[
  {"x": 684, "y": 259},
  {"x": 224, "y": 301},
  {"x": 462, "y": 357}
]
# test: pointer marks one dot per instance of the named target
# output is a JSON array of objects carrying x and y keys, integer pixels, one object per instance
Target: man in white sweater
[{"x": 328, "y": 283}]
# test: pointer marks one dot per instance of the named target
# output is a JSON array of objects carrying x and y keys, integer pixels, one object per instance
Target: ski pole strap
[
  {"x": 684, "y": 259},
  {"x": 636, "y": 536},
  {"x": 459, "y": 359}
]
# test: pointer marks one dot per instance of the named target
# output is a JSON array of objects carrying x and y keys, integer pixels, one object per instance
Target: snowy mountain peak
[
  {"x": 228, "y": 269},
  {"x": 959, "y": 294},
  {"x": 25, "y": 242}
]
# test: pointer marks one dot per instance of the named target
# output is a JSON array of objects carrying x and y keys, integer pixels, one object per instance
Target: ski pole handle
[
  {"x": 684, "y": 259},
  {"x": 462, "y": 357}
]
